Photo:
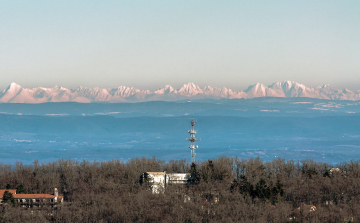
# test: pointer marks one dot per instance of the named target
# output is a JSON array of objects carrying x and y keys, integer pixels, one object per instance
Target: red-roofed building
[
  {"x": 13, "y": 191},
  {"x": 34, "y": 198}
]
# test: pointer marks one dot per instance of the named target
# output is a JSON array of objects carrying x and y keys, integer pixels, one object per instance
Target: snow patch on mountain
[
  {"x": 166, "y": 90},
  {"x": 190, "y": 89},
  {"x": 257, "y": 90},
  {"x": 10, "y": 92}
]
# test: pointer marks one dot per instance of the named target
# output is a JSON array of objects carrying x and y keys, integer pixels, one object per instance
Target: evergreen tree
[
  {"x": 194, "y": 175},
  {"x": 20, "y": 189},
  {"x": 8, "y": 197}
]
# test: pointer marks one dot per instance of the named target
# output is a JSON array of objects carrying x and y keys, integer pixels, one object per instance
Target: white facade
[{"x": 160, "y": 180}]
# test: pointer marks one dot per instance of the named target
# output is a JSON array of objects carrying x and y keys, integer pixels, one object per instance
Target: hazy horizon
[
  {"x": 150, "y": 44},
  {"x": 178, "y": 85}
]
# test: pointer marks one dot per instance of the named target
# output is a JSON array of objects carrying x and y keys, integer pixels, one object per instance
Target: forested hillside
[{"x": 221, "y": 190}]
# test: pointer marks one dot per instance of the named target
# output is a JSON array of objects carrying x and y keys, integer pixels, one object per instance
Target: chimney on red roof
[{"x": 56, "y": 193}]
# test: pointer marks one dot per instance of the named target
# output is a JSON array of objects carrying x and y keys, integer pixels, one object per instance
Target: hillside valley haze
[
  {"x": 14, "y": 93},
  {"x": 266, "y": 127}
]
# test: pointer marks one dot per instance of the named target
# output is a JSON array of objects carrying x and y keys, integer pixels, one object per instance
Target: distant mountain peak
[
  {"x": 14, "y": 93},
  {"x": 325, "y": 86},
  {"x": 14, "y": 87},
  {"x": 190, "y": 89},
  {"x": 10, "y": 92},
  {"x": 190, "y": 85},
  {"x": 256, "y": 90},
  {"x": 13, "y": 84},
  {"x": 166, "y": 90}
]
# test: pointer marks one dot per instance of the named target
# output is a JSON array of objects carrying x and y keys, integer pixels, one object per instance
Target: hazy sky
[{"x": 147, "y": 44}]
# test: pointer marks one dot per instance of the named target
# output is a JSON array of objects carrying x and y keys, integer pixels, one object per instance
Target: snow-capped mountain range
[{"x": 14, "y": 93}]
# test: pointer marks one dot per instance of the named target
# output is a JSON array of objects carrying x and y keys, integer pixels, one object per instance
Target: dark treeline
[{"x": 220, "y": 190}]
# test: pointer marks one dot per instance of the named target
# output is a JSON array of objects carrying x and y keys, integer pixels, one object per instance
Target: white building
[{"x": 160, "y": 180}]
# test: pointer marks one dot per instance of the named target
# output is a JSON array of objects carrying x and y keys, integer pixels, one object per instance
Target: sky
[{"x": 148, "y": 44}]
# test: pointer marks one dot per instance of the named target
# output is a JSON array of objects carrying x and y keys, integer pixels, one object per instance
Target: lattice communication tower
[{"x": 192, "y": 140}]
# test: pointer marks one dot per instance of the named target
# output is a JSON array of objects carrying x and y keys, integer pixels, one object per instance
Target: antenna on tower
[{"x": 192, "y": 139}]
